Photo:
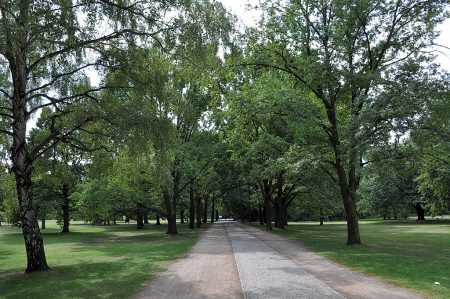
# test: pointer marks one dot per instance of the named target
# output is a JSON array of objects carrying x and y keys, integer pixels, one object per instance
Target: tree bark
[
  {"x": 205, "y": 210},
  {"x": 139, "y": 218},
  {"x": 198, "y": 210},
  {"x": 212, "y": 210},
  {"x": 170, "y": 204},
  {"x": 260, "y": 214},
  {"x": 420, "y": 212},
  {"x": 347, "y": 185},
  {"x": 191, "y": 207},
  {"x": 22, "y": 168},
  {"x": 65, "y": 208},
  {"x": 34, "y": 243},
  {"x": 266, "y": 190},
  {"x": 280, "y": 203},
  {"x": 182, "y": 215}
]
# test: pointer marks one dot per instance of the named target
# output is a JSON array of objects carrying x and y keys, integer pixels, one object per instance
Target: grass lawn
[
  {"x": 406, "y": 253},
  {"x": 91, "y": 261}
]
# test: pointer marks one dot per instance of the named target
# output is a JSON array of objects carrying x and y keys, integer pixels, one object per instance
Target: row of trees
[{"x": 324, "y": 108}]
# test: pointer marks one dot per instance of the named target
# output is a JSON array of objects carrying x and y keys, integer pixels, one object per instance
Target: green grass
[
  {"x": 91, "y": 261},
  {"x": 406, "y": 253}
]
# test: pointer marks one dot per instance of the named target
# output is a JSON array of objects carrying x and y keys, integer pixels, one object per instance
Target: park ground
[{"x": 116, "y": 261}]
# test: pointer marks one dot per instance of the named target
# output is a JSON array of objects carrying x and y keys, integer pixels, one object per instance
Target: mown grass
[
  {"x": 90, "y": 261},
  {"x": 406, "y": 253}
]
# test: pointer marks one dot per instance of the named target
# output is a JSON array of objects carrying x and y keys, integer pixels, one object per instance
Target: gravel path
[
  {"x": 267, "y": 274},
  {"x": 349, "y": 283},
  {"x": 231, "y": 260},
  {"x": 208, "y": 271}
]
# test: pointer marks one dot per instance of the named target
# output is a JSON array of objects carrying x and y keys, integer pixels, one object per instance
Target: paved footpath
[{"x": 232, "y": 260}]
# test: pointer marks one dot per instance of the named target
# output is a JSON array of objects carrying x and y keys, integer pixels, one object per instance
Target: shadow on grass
[
  {"x": 87, "y": 280},
  {"x": 90, "y": 263}
]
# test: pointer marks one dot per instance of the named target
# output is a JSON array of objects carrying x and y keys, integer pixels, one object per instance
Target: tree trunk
[
  {"x": 65, "y": 208},
  {"x": 280, "y": 203},
  {"x": 22, "y": 167},
  {"x": 34, "y": 243},
  {"x": 43, "y": 222},
  {"x": 285, "y": 209},
  {"x": 198, "y": 211},
  {"x": 205, "y": 210},
  {"x": 191, "y": 207},
  {"x": 212, "y": 210},
  {"x": 146, "y": 218},
  {"x": 139, "y": 218},
  {"x": 321, "y": 216},
  {"x": 260, "y": 214},
  {"x": 158, "y": 220},
  {"x": 266, "y": 190},
  {"x": 217, "y": 215},
  {"x": 268, "y": 213},
  {"x": 347, "y": 185},
  {"x": 420, "y": 212},
  {"x": 182, "y": 215},
  {"x": 170, "y": 204}
]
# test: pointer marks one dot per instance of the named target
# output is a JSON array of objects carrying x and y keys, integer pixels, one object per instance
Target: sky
[{"x": 248, "y": 17}]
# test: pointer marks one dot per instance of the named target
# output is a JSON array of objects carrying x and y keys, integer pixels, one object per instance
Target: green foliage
[{"x": 9, "y": 207}]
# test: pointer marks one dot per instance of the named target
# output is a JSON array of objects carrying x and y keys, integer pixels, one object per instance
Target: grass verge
[
  {"x": 406, "y": 253},
  {"x": 90, "y": 261}
]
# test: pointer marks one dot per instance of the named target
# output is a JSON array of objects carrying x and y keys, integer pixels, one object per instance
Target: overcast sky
[{"x": 248, "y": 17}]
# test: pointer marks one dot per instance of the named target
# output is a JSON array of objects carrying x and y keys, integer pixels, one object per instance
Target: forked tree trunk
[{"x": 65, "y": 208}]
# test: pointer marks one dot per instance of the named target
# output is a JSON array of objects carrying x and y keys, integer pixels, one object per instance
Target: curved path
[{"x": 232, "y": 260}]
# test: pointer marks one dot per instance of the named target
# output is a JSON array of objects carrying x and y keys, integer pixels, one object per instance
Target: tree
[
  {"x": 344, "y": 54},
  {"x": 47, "y": 47}
]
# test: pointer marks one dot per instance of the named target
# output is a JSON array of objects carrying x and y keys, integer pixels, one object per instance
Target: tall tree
[
  {"x": 344, "y": 54},
  {"x": 46, "y": 47}
]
